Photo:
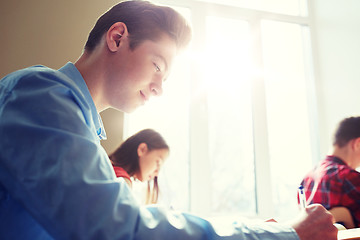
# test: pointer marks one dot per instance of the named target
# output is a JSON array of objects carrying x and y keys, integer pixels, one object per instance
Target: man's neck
[
  {"x": 90, "y": 70},
  {"x": 345, "y": 154}
]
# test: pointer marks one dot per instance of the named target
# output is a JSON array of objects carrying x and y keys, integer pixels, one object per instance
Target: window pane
[
  {"x": 289, "y": 7},
  {"x": 287, "y": 111},
  {"x": 230, "y": 122},
  {"x": 169, "y": 115}
]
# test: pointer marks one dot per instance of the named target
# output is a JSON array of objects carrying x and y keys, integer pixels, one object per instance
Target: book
[{"x": 349, "y": 234}]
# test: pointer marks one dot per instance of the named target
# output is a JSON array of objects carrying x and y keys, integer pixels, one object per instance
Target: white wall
[{"x": 337, "y": 67}]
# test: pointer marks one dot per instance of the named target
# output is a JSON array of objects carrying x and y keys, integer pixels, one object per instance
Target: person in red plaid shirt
[{"x": 334, "y": 181}]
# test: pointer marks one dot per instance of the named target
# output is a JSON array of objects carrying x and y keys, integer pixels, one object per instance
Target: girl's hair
[
  {"x": 144, "y": 21},
  {"x": 126, "y": 156}
]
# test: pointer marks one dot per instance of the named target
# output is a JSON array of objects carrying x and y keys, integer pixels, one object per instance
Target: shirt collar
[
  {"x": 335, "y": 159},
  {"x": 72, "y": 72}
]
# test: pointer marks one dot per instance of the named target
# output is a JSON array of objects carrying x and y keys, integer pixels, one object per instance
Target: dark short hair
[
  {"x": 348, "y": 129},
  {"x": 144, "y": 21}
]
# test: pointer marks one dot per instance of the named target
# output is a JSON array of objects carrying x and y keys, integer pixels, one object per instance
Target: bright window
[
  {"x": 231, "y": 152},
  {"x": 286, "y": 93}
]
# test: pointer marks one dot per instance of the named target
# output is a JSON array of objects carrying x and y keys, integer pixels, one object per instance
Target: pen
[{"x": 302, "y": 197}]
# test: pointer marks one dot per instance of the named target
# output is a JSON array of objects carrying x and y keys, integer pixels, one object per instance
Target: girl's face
[{"x": 150, "y": 162}]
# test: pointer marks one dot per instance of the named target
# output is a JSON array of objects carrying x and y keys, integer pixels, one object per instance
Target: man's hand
[{"x": 315, "y": 223}]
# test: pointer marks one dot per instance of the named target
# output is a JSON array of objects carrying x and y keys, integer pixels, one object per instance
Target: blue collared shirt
[{"x": 56, "y": 181}]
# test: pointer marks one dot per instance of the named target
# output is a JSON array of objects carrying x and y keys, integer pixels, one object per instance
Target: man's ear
[
  {"x": 115, "y": 34},
  {"x": 356, "y": 144},
  {"x": 142, "y": 149}
]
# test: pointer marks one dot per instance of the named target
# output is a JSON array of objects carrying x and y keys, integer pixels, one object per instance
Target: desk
[{"x": 349, "y": 234}]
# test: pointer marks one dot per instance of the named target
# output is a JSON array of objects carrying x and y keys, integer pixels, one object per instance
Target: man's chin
[{"x": 130, "y": 109}]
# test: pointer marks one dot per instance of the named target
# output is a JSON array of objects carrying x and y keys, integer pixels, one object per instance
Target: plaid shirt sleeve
[
  {"x": 333, "y": 183},
  {"x": 351, "y": 196}
]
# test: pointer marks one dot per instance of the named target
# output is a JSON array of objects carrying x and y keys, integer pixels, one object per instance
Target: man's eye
[{"x": 157, "y": 68}]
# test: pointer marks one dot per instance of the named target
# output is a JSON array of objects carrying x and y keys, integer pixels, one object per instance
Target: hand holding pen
[
  {"x": 314, "y": 215},
  {"x": 315, "y": 223}
]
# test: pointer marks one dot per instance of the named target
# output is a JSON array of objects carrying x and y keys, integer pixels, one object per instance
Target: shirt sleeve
[
  {"x": 349, "y": 195},
  {"x": 53, "y": 165}
]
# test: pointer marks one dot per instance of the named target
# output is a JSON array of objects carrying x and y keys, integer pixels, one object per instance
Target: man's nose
[{"x": 156, "y": 87}]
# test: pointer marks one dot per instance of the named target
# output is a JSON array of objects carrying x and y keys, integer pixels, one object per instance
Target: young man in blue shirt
[{"x": 56, "y": 181}]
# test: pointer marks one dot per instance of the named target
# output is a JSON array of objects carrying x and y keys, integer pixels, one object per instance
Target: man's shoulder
[
  {"x": 340, "y": 172},
  {"x": 32, "y": 75},
  {"x": 40, "y": 70},
  {"x": 30, "y": 71}
]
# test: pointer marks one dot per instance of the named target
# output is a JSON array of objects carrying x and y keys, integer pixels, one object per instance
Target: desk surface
[{"x": 349, "y": 234}]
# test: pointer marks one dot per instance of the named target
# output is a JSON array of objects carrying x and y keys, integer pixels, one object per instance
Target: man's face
[{"x": 136, "y": 75}]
